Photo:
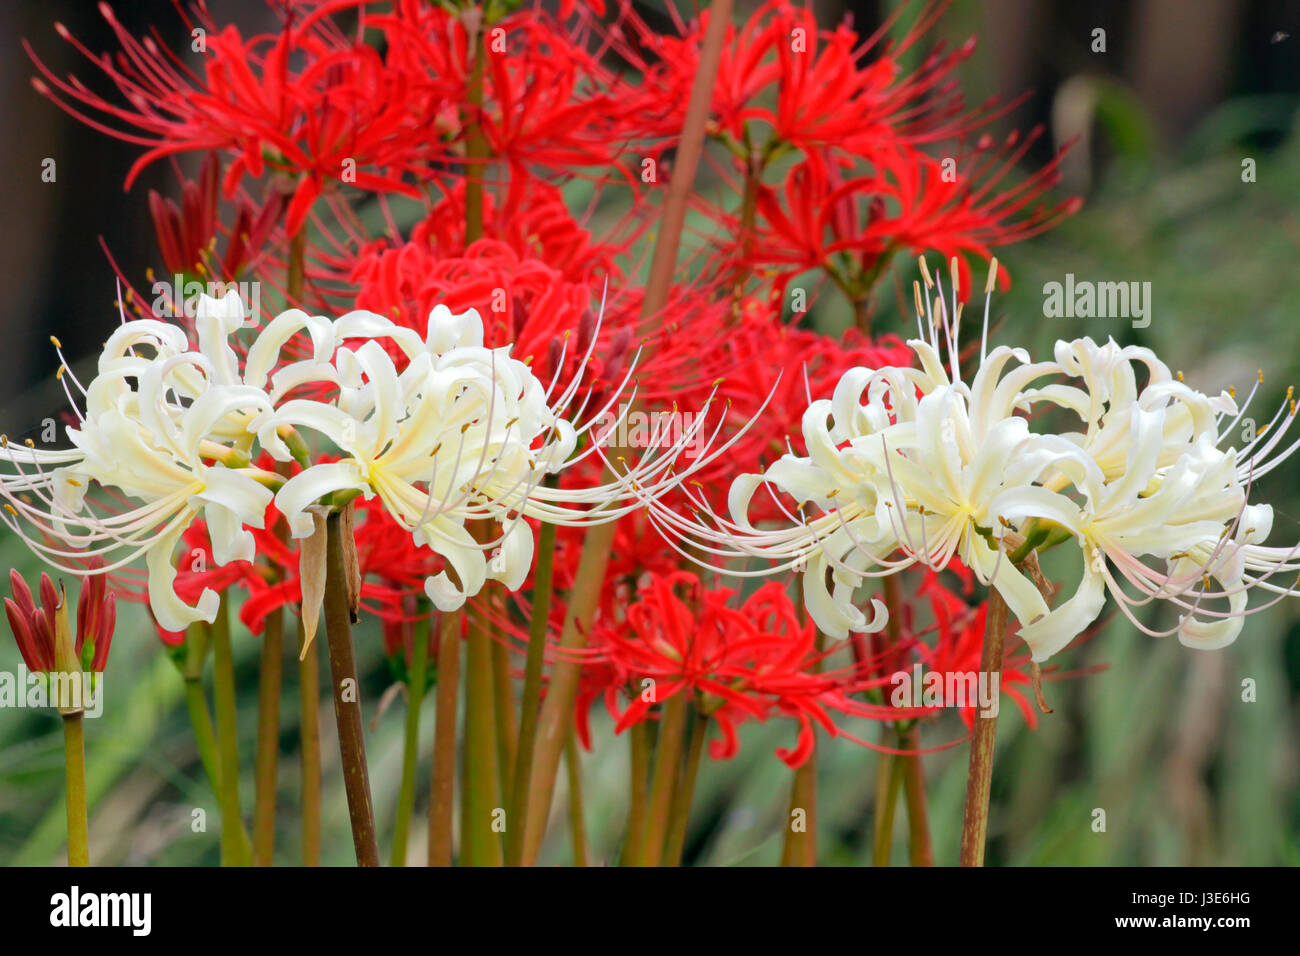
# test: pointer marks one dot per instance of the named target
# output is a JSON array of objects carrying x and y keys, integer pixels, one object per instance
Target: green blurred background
[{"x": 1186, "y": 771}]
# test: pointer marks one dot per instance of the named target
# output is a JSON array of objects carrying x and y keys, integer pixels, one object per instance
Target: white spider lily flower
[
  {"x": 462, "y": 433},
  {"x": 148, "y": 434}
]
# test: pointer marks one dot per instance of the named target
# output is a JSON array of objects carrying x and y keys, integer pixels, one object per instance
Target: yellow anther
[
  {"x": 993, "y": 275},
  {"x": 916, "y": 294},
  {"x": 1180, "y": 376},
  {"x": 952, "y": 271},
  {"x": 29, "y": 443},
  {"x": 1261, "y": 376},
  {"x": 56, "y": 342},
  {"x": 925, "y": 272},
  {"x": 1232, "y": 391},
  {"x": 58, "y": 376},
  {"x": 10, "y": 508}
]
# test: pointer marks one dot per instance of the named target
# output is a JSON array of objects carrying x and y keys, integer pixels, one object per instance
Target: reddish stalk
[
  {"x": 557, "y": 712},
  {"x": 979, "y": 777}
]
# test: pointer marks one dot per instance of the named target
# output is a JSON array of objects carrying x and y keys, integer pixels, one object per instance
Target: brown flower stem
[
  {"x": 347, "y": 697},
  {"x": 888, "y": 779},
  {"x": 223, "y": 670},
  {"x": 639, "y": 756},
  {"x": 267, "y": 754},
  {"x": 297, "y": 266},
  {"x": 577, "y": 816},
  {"x": 979, "y": 777},
  {"x": 309, "y": 737},
  {"x": 503, "y": 706},
  {"x": 74, "y": 759},
  {"x": 482, "y": 797},
  {"x": 415, "y": 682},
  {"x": 678, "y": 819},
  {"x": 543, "y": 575},
  {"x": 446, "y": 700},
  {"x": 920, "y": 851},
  {"x": 668, "y": 756},
  {"x": 799, "y": 847},
  {"x": 476, "y": 145},
  {"x": 557, "y": 712}
]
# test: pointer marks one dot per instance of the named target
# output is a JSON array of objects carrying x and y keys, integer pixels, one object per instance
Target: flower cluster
[
  {"x": 462, "y": 433},
  {"x": 914, "y": 466}
]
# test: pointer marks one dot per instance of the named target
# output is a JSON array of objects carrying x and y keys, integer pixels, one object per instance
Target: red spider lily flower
[
  {"x": 751, "y": 662},
  {"x": 809, "y": 88},
  {"x": 187, "y": 235},
  {"x": 850, "y": 227},
  {"x": 546, "y": 101},
  {"x": 33, "y": 625},
  {"x": 341, "y": 116}
]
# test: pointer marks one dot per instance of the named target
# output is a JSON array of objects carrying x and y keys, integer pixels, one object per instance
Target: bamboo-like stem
[
  {"x": 415, "y": 681},
  {"x": 481, "y": 798},
  {"x": 223, "y": 670},
  {"x": 74, "y": 759},
  {"x": 347, "y": 697},
  {"x": 267, "y": 755},
  {"x": 442, "y": 797},
  {"x": 979, "y": 776},
  {"x": 309, "y": 737},
  {"x": 668, "y": 756},
  {"x": 889, "y": 777},
  {"x": 679, "y": 818},
  {"x": 557, "y": 712},
  {"x": 543, "y": 575},
  {"x": 919, "y": 849},
  {"x": 577, "y": 816},
  {"x": 639, "y": 757}
]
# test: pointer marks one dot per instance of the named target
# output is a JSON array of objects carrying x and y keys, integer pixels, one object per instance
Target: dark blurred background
[{"x": 1186, "y": 770}]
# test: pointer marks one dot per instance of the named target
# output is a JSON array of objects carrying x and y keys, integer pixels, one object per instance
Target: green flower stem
[
  {"x": 347, "y": 697},
  {"x": 889, "y": 778},
  {"x": 577, "y": 816},
  {"x": 309, "y": 742},
  {"x": 543, "y": 576},
  {"x": 668, "y": 756},
  {"x": 679, "y": 818},
  {"x": 267, "y": 754},
  {"x": 74, "y": 756},
  {"x": 205, "y": 738},
  {"x": 223, "y": 669},
  {"x": 979, "y": 776},
  {"x": 503, "y": 709},
  {"x": 415, "y": 681},
  {"x": 444, "y": 740},
  {"x": 639, "y": 753}
]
